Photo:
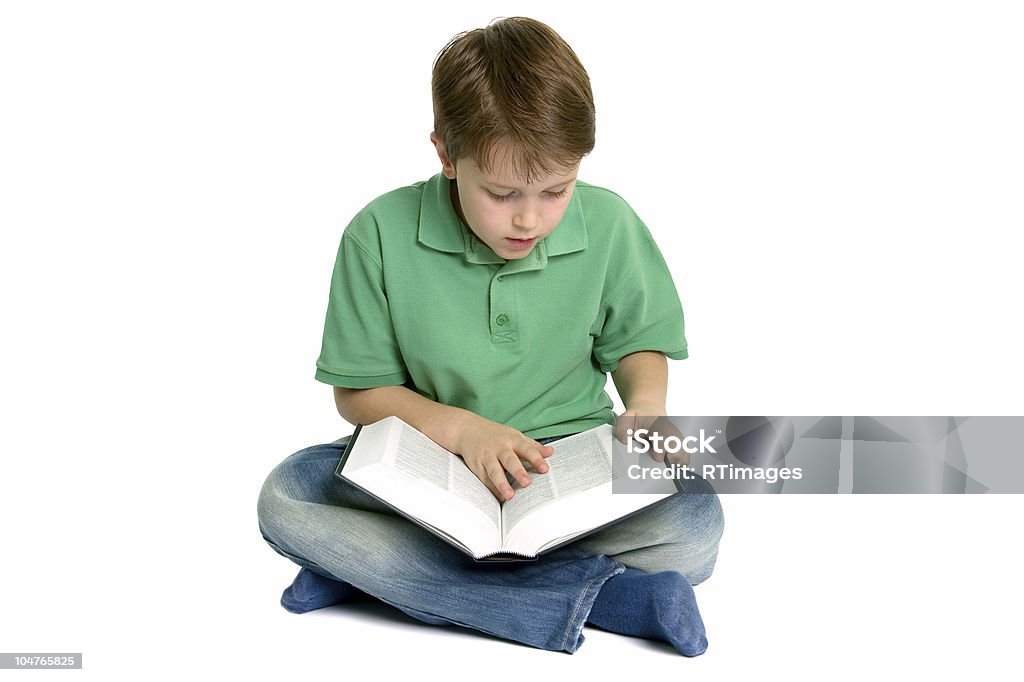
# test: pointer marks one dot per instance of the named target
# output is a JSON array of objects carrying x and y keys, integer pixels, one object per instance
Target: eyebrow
[{"x": 516, "y": 189}]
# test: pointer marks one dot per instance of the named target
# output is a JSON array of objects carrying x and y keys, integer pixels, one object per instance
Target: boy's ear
[{"x": 447, "y": 167}]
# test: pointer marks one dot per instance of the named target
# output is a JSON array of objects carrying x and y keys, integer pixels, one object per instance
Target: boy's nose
[{"x": 527, "y": 219}]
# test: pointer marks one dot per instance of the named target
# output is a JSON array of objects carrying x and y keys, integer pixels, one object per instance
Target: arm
[
  {"x": 488, "y": 448},
  {"x": 642, "y": 382}
]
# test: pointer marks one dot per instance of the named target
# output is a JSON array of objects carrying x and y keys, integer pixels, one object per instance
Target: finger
[
  {"x": 481, "y": 473},
  {"x": 623, "y": 424},
  {"x": 496, "y": 475},
  {"x": 645, "y": 443},
  {"x": 490, "y": 486},
  {"x": 664, "y": 428},
  {"x": 655, "y": 449},
  {"x": 534, "y": 453},
  {"x": 682, "y": 458},
  {"x": 510, "y": 460}
]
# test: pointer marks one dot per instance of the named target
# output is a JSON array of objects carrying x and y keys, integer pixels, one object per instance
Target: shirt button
[{"x": 501, "y": 320}]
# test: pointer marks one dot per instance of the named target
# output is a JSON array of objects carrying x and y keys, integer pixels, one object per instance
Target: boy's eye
[{"x": 506, "y": 197}]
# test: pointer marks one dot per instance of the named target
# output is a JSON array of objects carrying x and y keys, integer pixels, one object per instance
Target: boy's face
[{"x": 508, "y": 215}]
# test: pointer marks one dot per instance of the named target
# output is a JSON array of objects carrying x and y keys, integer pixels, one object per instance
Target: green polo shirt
[{"x": 417, "y": 299}]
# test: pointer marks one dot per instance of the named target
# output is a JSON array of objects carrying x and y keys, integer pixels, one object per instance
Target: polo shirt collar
[{"x": 441, "y": 230}]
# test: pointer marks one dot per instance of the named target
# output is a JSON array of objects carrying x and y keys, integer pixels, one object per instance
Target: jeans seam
[{"x": 577, "y": 630}]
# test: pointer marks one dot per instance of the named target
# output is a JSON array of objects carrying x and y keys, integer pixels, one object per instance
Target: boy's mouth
[{"x": 520, "y": 243}]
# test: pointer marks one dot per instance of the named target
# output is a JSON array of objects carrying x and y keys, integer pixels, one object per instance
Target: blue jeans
[{"x": 324, "y": 524}]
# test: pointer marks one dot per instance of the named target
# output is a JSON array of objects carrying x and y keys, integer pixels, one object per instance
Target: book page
[
  {"x": 578, "y": 463},
  {"x": 419, "y": 457},
  {"x": 579, "y": 499},
  {"x": 541, "y": 490},
  {"x": 423, "y": 482},
  {"x": 583, "y": 462},
  {"x": 569, "y": 517},
  {"x": 468, "y": 487},
  {"x": 422, "y": 458}
]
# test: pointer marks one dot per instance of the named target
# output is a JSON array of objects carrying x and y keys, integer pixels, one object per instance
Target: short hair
[{"x": 515, "y": 81}]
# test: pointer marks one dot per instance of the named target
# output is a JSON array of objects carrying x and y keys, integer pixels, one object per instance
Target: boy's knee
[
  {"x": 270, "y": 507},
  {"x": 694, "y": 525},
  {"x": 283, "y": 490}
]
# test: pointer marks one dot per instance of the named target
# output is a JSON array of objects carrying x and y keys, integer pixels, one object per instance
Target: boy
[{"x": 484, "y": 307}]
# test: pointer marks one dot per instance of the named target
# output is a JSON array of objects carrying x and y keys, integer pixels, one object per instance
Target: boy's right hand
[{"x": 490, "y": 449}]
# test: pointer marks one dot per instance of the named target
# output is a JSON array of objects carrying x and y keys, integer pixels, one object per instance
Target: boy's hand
[
  {"x": 490, "y": 449},
  {"x": 656, "y": 423}
]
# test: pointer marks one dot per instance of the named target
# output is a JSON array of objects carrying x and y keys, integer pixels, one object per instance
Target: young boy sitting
[{"x": 484, "y": 307}]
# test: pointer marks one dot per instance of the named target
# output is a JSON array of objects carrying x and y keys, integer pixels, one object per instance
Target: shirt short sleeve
[
  {"x": 643, "y": 313},
  {"x": 359, "y": 347}
]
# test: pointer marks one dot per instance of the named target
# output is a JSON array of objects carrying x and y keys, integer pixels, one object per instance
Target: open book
[{"x": 434, "y": 488}]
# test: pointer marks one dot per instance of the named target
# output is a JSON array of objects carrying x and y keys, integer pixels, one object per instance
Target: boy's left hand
[{"x": 655, "y": 422}]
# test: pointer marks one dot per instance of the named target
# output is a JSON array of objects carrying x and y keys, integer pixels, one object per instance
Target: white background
[{"x": 837, "y": 187}]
